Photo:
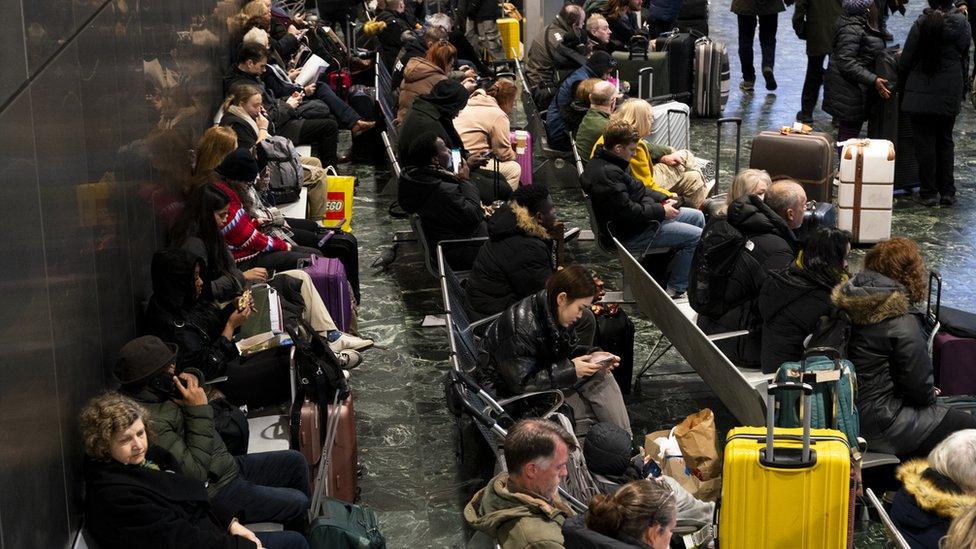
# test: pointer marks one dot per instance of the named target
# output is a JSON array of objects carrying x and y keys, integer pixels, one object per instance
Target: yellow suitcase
[
  {"x": 511, "y": 37},
  {"x": 789, "y": 501}
]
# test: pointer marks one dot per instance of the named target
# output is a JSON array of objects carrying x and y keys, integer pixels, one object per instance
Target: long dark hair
[
  {"x": 930, "y": 29},
  {"x": 825, "y": 254},
  {"x": 197, "y": 219}
]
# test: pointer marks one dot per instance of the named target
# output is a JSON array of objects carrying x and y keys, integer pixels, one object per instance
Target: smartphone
[{"x": 456, "y": 159}]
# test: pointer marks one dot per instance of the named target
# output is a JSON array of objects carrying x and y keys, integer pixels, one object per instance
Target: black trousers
[
  {"x": 279, "y": 260},
  {"x": 767, "y": 42},
  {"x": 812, "y": 83},
  {"x": 935, "y": 153},
  {"x": 341, "y": 246},
  {"x": 324, "y": 133},
  {"x": 955, "y": 420}
]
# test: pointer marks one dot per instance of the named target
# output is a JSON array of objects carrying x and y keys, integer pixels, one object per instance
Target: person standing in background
[
  {"x": 765, "y": 14},
  {"x": 815, "y": 22},
  {"x": 934, "y": 67}
]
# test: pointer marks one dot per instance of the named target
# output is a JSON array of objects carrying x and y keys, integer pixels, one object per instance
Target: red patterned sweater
[{"x": 241, "y": 233}]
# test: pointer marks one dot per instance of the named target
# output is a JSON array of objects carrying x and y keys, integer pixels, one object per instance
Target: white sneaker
[
  {"x": 349, "y": 341},
  {"x": 349, "y": 359}
]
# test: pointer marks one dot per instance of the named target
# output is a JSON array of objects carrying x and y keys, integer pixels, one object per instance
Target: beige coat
[
  {"x": 419, "y": 77},
  {"x": 483, "y": 125}
]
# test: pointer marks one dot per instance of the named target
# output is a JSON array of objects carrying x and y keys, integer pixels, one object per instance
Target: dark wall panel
[
  {"x": 13, "y": 70},
  {"x": 100, "y": 104}
]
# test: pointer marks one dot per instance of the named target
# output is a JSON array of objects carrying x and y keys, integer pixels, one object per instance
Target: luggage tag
[{"x": 699, "y": 538}]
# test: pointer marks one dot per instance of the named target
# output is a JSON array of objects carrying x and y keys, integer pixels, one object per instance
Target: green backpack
[{"x": 832, "y": 404}]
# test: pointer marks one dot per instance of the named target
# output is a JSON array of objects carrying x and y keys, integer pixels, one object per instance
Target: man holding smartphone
[{"x": 266, "y": 487}]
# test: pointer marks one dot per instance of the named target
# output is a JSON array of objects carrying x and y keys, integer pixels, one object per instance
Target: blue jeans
[
  {"x": 345, "y": 115},
  {"x": 681, "y": 233},
  {"x": 282, "y": 540},
  {"x": 271, "y": 487}
]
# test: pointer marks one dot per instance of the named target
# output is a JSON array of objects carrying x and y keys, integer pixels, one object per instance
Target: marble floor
[{"x": 406, "y": 436}]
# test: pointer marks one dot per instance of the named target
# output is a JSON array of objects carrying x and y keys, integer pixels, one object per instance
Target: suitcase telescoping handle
[
  {"x": 935, "y": 293},
  {"x": 718, "y": 146},
  {"x": 788, "y": 458},
  {"x": 649, "y": 71}
]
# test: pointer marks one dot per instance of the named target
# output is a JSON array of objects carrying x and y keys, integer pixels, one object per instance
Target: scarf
[{"x": 239, "y": 111}]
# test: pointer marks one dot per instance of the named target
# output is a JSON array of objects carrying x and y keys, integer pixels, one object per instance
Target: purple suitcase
[
  {"x": 329, "y": 277},
  {"x": 954, "y": 352}
]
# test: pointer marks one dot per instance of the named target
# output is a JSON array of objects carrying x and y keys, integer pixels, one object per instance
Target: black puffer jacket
[
  {"x": 130, "y": 505},
  {"x": 896, "y": 391},
  {"x": 526, "y": 350},
  {"x": 448, "y": 207},
  {"x": 940, "y": 92},
  {"x": 790, "y": 303},
  {"x": 424, "y": 117},
  {"x": 622, "y": 29},
  {"x": 175, "y": 315},
  {"x": 618, "y": 199},
  {"x": 849, "y": 83},
  {"x": 390, "y": 38},
  {"x": 774, "y": 247},
  {"x": 513, "y": 264},
  {"x": 577, "y": 536},
  {"x": 481, "y": 10}
]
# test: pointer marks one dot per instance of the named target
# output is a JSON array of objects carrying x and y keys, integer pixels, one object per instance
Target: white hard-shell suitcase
[
  {"x": 672, "y": 125},
  {"x": 864, "y": 195}
]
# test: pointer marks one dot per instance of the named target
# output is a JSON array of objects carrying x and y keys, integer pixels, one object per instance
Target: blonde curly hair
[{"x": 106, "y": 416}]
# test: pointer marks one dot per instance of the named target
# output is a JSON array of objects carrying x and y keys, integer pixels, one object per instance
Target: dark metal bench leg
[{"x": 651, "y": 361}]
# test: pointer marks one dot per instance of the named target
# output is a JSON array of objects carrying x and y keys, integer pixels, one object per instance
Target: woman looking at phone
[{"x": 542, "y": 343}]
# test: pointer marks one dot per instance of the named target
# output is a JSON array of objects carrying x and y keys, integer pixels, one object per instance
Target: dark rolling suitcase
[
  {"x": 712, "y": 78},
  {"x": 887, "y": 121},
  {"x": 680, "y": 47},
  {"x": 807, "y": 158},
  {"x": 615, "y": 334},
  {"x": 815, "y": 216},
  {"x": 954, "y": 344},
  {"x": 647, "y": 77},
  {"x": 693, "y": 17}
]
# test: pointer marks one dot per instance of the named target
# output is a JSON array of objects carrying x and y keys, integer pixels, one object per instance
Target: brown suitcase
[
  {"x": 336, "y": 477},
  {"x": 343, "y": 482},
  {"x": 808, "y": 158},
  {"x": 306, "y": 430}
]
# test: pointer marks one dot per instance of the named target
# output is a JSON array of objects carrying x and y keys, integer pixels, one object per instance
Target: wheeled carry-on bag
[
  {"x": 615, "y": 334},
  {"x": 680, "y": 47},
  {"x": 329, "y": 277},
  {"x": 712, "y": 78},
  {"x": 864, "y": 198},
  {"x": 785, "y": 488},
  {"x": 672, "y": 125},
  {"x": 953, "y": 343},
  {"x": 807, "y": 158},
  {"x": 510, "y": 32}
]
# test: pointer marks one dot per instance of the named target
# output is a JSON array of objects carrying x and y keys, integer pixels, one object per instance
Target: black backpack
[
  {"x": 319, "y": 372},
  {"x": 722, "y": 251}
]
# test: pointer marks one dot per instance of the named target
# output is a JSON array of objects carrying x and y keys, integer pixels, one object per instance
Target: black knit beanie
[
  {"x": 449, "y": 96},
  {"x": 607, "y": 449},
  {"x": 239, "y": 165}
]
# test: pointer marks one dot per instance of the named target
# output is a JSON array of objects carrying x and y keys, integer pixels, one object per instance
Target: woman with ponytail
[
  {"x": 640, "y": 514},
  {"x": 934, "y": 67},
  {"x": 484, "y": 126}
]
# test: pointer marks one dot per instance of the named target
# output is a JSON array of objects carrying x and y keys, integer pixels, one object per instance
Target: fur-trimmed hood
[
  {"x": 870, "y": 297},
  {"x": 512, "y": 219},
  {"x": 933, "y": 492}
]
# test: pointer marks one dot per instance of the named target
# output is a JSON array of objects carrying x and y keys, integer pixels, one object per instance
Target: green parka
[
  {"x": 188, "y": 433},
  {"x": 516, "y": 520}
]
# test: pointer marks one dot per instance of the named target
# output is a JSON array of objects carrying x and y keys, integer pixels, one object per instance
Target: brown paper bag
[{"x": 698, "y": 441}]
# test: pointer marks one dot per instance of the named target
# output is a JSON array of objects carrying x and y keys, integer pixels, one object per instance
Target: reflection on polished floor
[{"x": 407, "y": 437}]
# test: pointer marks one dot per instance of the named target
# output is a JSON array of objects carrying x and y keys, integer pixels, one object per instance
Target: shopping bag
[
  {"x": 339, "y": 196},
  {"x": 662, "y": 448},
  {"x": 698, "y": 441}
]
